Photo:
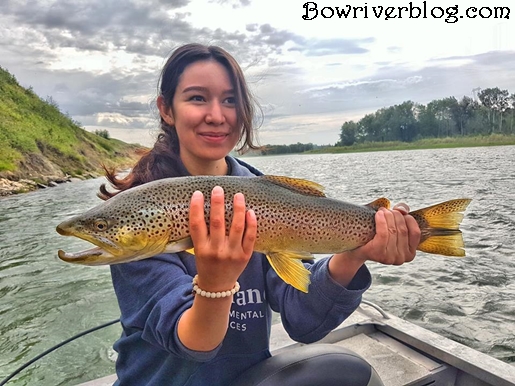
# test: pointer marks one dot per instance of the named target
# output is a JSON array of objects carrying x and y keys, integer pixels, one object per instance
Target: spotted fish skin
[{"x": 295, "y": 220}]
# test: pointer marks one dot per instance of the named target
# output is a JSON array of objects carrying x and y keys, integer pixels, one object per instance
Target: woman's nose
[{"x": 215, "y": 114}]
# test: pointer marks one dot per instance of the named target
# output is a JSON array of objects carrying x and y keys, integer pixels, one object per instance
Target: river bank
[
  {"x": 422, "y": 144},
  {"x": 9, "y": 187},
  {"x": 40, "y": 179},
  {"x": 39, "y": 171}
]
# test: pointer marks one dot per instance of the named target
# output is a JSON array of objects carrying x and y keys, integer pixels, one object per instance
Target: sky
[{"x": 309, "y": 67}]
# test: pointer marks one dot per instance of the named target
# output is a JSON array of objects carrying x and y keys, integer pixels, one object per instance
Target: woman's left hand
[
  {"x": 395, "y": 243},
  {"x": 397, "y": 237}
]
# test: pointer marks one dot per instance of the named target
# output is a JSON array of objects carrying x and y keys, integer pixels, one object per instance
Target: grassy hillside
[{"x": 37, "y": 140}]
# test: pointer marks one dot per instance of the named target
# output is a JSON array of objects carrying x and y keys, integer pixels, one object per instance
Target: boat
[{"x": 398, "y": 353}]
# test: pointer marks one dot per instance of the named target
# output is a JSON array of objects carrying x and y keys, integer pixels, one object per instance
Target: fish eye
[{"x": 100, "y": 225}]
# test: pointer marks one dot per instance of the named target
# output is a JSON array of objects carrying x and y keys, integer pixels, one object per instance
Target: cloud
[
  {"x": 233, "y": 3},
  {"x": 100, "y": 61},
  {"x": 145, "y": 27},
  {"x": 309, "y": 47},
  {"x": 323, "y": 47}
]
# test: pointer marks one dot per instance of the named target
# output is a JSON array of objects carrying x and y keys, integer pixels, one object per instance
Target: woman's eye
[
  {"x": 230, "y": 100},
  {"x": 197, "y": 98}
]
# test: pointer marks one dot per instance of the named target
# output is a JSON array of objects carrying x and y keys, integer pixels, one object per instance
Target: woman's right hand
[
  {"x": 220, "y": 260},
  {"x": 221, "y": 256}
]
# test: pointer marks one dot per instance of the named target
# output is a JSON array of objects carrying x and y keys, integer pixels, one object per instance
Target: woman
[{"x": 172, "y": 336}]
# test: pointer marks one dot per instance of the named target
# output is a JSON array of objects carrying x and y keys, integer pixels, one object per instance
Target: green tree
[
  {"x": 512, "y": 110},
  {"x": 427, "y": 120},
  {"x": 385, "y": 125},
  {"x": 403, "y": 122},
  {"x": 496, "y": 101},
  {"x": 462, "y": 112},
  {"x": 442, "y": 110},
  {"x": 368, "y": 130},
  {"x": 409, "y": 121},
  {"x": 103, "y": 133},
  {"x": 348, "y": 133}
]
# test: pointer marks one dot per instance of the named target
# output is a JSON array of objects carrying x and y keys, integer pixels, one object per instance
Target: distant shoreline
[
  {"x": 9, "y": 187},
  {"x": 428, "y": 143}
]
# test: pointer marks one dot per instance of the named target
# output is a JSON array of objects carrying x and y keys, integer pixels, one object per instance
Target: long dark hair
[{"x": 162, "y": 160}]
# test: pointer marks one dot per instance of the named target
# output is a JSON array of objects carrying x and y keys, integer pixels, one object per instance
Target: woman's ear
[{"x": 165, "y": 111}]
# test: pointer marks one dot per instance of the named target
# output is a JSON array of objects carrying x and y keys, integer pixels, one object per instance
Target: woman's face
[{"x": 204, "y": 115}]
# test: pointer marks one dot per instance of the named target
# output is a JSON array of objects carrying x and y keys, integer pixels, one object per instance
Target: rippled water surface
[{"x": 44, "y": 301}]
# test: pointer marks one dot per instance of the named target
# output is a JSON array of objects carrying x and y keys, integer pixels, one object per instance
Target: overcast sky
[{"x": 100, "y": 59}]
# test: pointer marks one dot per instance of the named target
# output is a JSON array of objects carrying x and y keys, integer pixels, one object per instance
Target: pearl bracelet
[{"x": 207, "y": 294}]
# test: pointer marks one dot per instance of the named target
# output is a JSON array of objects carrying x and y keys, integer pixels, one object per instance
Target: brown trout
[{"x": 295, "y": 220}]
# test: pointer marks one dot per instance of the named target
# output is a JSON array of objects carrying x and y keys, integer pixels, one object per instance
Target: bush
[{"x": 103, "y": 133}]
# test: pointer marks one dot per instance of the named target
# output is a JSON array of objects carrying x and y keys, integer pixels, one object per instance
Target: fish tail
[{"x": 439, "y": 226}]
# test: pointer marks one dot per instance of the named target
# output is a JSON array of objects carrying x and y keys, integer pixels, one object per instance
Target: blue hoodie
[{"x": 153, "y": 293}]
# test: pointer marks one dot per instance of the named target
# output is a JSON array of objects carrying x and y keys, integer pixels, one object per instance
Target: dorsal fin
[
  {"x": 379, "y": 203},
  {"x": 305, "y": 187}
]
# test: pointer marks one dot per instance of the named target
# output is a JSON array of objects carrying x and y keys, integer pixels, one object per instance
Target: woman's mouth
[{"x": 214, "y": 137}]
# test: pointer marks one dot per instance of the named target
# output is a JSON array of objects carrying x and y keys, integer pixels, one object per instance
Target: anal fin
[{"x": 289, "y": 267}]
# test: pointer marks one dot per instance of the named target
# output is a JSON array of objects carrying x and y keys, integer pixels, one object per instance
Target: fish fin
[
  {"x": 439, "y": 226},
  {"x": 184, "y": 244},
  {"x": 379, "y": 203},
  {"x": 447, "y": 245},
  {"x": 305, "y": 187},
  {"x": 289, "y": 267},
  {"x": 191, "y": 251}
]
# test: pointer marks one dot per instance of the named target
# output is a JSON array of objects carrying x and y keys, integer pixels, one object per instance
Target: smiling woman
[
  {"x": 203, "y": 111},
  {"x": 181, "y": 309},
  {"x": 204, "y": 100}
]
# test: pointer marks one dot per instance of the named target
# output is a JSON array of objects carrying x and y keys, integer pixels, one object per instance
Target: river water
[{"x": 44, "y": 301}]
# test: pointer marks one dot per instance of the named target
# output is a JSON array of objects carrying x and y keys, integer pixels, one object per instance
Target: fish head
[{"x": 120, "y": 235}]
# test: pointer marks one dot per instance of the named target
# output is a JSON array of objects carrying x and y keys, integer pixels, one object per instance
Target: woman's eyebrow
[
  {"x": 204, "y": 89},
  {"x": 195, "y": 88}
]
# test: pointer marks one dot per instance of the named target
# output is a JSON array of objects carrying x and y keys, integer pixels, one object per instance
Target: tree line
[
  {"x": 287, "y": 149},
  {"x": 492, "y": 112}
]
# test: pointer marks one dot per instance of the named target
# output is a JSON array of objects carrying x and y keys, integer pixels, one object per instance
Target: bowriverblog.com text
[{"x": 411, "y": 10}]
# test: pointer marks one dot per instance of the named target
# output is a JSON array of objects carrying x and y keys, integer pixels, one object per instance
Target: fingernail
[
  {"x": 196, "y": 194},
  {"x": 402, "y": 208},
  {"x": 239, "y": 197},
  {"x": 218, "y": 190}
]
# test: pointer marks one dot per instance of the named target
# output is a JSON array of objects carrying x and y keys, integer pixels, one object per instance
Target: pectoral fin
[
  {"x": 184, "y": 244},
  {"x": 289, "y": 267}
]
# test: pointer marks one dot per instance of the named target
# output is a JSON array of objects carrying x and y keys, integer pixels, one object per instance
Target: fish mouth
[
  {"x": 105, "y": 252},
  {"x": 93, "y": 256},
  {"x": 99, "y": 256},
  {"x": 63, "y": 231}
]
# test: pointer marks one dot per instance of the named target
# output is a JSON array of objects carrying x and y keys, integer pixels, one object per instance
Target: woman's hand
[
  {"x": 221, "y": 256},
  {"x": 395, "y": 243},
  {"x": 397, "y": 237},
  {"x": 220, "y": 260}
]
